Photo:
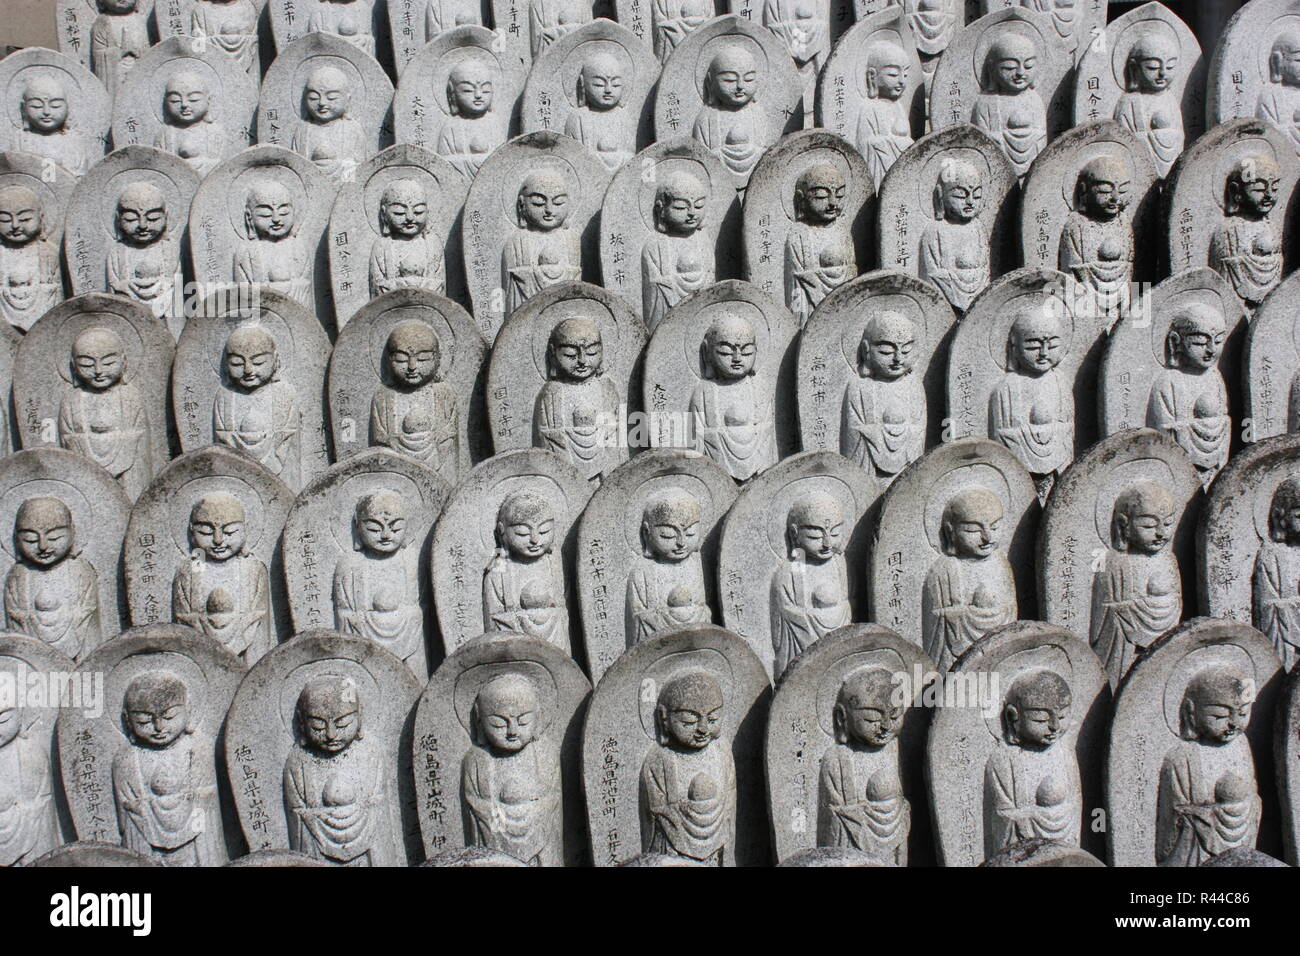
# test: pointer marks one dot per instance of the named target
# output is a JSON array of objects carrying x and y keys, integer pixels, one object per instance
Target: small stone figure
[
  {"x": 443, "y": 15},
  {"x": 576, "y": 413},
  {"x": 523, "y": 584},
  {"x": 819, "y": 254},
  {"x": 163, "y": 784},
  {"x": 688, "y": 781},
  {"x": 52, "y": 592},
  {"x": 862, "y": 806},
  {"x": 1279, "y": 100},
  {"x": 548, "y": 20},
  {"x": 883, "y": 415},
  {"x": 679, "y": 261},
  {"x": 1277, "y": 574},
  {"x": 1008, "y": 107},
  {"x": 102, "y": 416},
  {"x": 349, "y": 19},
  {"x": 970, "y": 589},
  {"x": 272, "y": 255},
  {"x": 805, "y": 31},
  {"x": 335, "y": 786},
  {"x": 29, "y": 823},
  {"x": 145, "y": 262},
  {"x": 1247, "y": 249},
  {"x": 665, "y": 592},
  {"x": 1208, "y": 802},
  {"x": 1096, "y": 245},
  {"x": 1149, "y": 106},
  {"x": 327, "y": 135},
  {"x": 1188, "y": 398},
  {"x": 883, "y": 130},
  {"x": 933, "y": 24},
  {"x": 731, "y": 408},
  {"x": 414, "y": 412},
  {"x": 600, "y": 121},
  {"x": 468, "y": 133},
  {"x": 510, "y": 778},
  {"x": 955, "y": 247},
  {"x": 222, "y": 589},
  {"x": 30, "y": 281},
  {"x": 255, "y": 412},
  {"x": 118, "y": 37},
  {"x": 405, "y": 256},
  {"x": 809, "y": 593},
  {"x": 231, "y": 26},
  {"x": 543, "y": 251},
  {"x": 673, "y": 21},
  {"x": 1137, "y": 593},
  {"x": 189, "y": 129},
  {"x": 47, "y": 129},
  {"x": 730, "y": 124}
]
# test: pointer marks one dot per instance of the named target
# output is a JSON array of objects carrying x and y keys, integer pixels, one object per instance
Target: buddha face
[
  {"x": 217, "y": 527},
  {"x": 11, "y": 722},
  {"x": 1037, "y": 710},
  {"x": 815, "y": 528},
  {"x": 1284, "y": 59},
  {"x": 1145, "y": 518},
  {"x": 670, "y": 528},
  {"x": 156, "y": 709},
  {"x": 526, "y": 526},
  {"x": 689, "y": 711},
  {"x": 865, "y": 711},
  {"x": 602, "y": 82},
  {"x": 469, "y": 89},
  {"x": 972, "y": 524},
  {"x": 250, "y": 358},
  {"x": 1217, "y": 704},
  {"x": 889, "y": 346},
  {"x": 329, "y": 711},
  {"x": 820, "y": 193},
  {"x": 98, "y": 359},
  {"x": 269, "y": 210},
  {"x": 1196, "y": 338},
  {"x": 141, "y": 214},
  {"x": 1013, "y": 59},
  {"x": 43, "y": 531},
  {"x": 1036, "y": 342},
  {"x": 411, "y": 354},
  {"x": 731, "y": 347},
  {"x": 326, "y": 95},
  {"x": 404, "y": 209},
  {"x": 544, "y": 201},
  {"x": 45, "y": 106},
  {"x": 506, "y": 710},
  {"x": 886, "y": 71},
  {"x": 680, "y": 205},
  {"x": 20, "y": 216},
  {"x": 1105, "y": 183},
  {"x": 186, "y": 100},
  {"x": 1152, "y": 63},
  {"x": 963, "y": 195},
  {"x": 1253, "y": 186},
  {"x": 576, "y": 350},
  {"x": 732, "y": 77},
  {"x": 381, "y": 523}
]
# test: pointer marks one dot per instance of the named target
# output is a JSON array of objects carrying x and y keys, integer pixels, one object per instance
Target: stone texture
[
  {"x": 232, "y": 27},
  {"x": 934, "y": 25},
  {"x": 531, "y": 26},
  {"x": 1251, "y": 72},
  {"x": 358, "y": 22},
  {"x": 1042, "y": 853},
  {"x": 828, "y": 856},
  {"x": 34, "y": 194},
  {"x": 93, "y": 853},
  {"x": 662, "y": 26},
  {"x": 414, "y": 23},
  {"x": 9, "y": 340},
  {"x": 474, "y": 856},
  {"x": 106, "y": 38},
  {"x": 806, "y": 30},
  {"x": 1286, "y": 750},
  {"x": 276, "y": 858},
  {"x": 1077, "y": 25},
  {"x": 1243, "y": 857},
  {"x": 54, "y": 108},
  {"x": 1271, "y": 361}
]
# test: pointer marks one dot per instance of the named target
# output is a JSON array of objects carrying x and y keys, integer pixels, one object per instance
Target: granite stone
[
  {"x": 54, "y": 108},
  {"x": 1271, "y": 363},
  {"x": 414, "y": 23},
  {"x": 106, "y": 36},
  {"x": 232, "y": 27},
  {"x": 1254, "y": 70},
  {"x": 34, "y": 192}
]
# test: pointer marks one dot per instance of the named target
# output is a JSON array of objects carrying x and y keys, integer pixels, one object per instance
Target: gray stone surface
[
  {"x": 87, "y": 853},
  {"x": 61, "y": 560},
  {"x": 319, "y": 740},
  {"x": 414, "y": 23},
  {"x": 934, "y": 24},
  {"x": 531, "y": 221},
  {"x": 252, "y": 379},
  {"x": 1116, "y": 550},
  {"x": 276, "y": 858},
  {"x": 473, "y": 856},
  {"x": 203, "y": 549},
  {"x": 828, "y": 856},
  {"x": 647, "y": 553},
  {"x": 806, "y": 30},
  {"x": 1048, "y": 853},
  {"x": 1193, "y": 724},
  {"x": 106, "y": 36},
  {"x": 1271, "y": 361},
  {"x": 390, "y": 385},
  {"x": 91, "y": 376},
  {"x": 356, "y": 553},
  {"x": 1253, "y": 70},
  {"x": 356, "y": 21},
  {"x": 1077, "y": 25},
  {"x": 396, "y": 225},
  {"x": 9, "y": 339},
  {"x": 661, "y": 26},
  {"x": 1242, "y": 857},
  {"x": 849, "y": 711},
  {"x": 813, "y": 511},
  {"x": 1286, "y": 751},
  {"x": 672, "y": 749},
  {"x": 145, "y": 771},
  {"x": 533, "y": 25},
  {"x": 1027, "y": 736},
  {"x": 232, "y": 27},
  {"x": 33, "y": 196},
  {"x": 54, "y": 108},
  {"x": 502, "y": 718},
  {"x": 967, "y": 569},
  {"x": 503, "y": 551}
]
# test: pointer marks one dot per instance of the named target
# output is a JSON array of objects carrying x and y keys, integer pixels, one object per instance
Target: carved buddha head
[
  {"x": 600, "y": 83},
  {"x": 44, "y": 106},
  {"x": 329, "y": 714},
  {"x": 887, "y": 351},
  {"x": 21, "y": 218},
  {"x": 729, "y": 348},
  {"x": 866, "y": 713},
  {"x": 1284, "y": 59},
  {"x": 819, "y": 194},
  {"x": 403, "y": 209},
  {"x": 731, "y": 81},
  {"x": 688, "y": 712},
  {"x": 43, "y": 532},
  {"x": 98, "y": 359},
  {"x": 670, "y": 527},
  {"x": 1036, "y": 711},
  {"x": 1216, "y": 705},
  {"x": 505, "y": 715},
  {"x": 186, "y": 99},
  {"x": 156, "y": 709},
  {"x": 268, "y": 212},
  {"x": 971, "y": 526},
  {"x": 525, "y": 528},
  {"x": 1144, "y": 518},
  {"x": 1010, "y": 65},
  {"x": 141, "y": 217},
  {"x": 886, "y": 71},
  {"x": 958, "y": 191},
  {"x": 543, "y": 203},
  {"x": 1035, "y": 344},
  {"x": 1284, "y": 513},
  {"x": 217, "y": 527},
  {"x": 412, "y": 355},
  {"x": 1252, "y": 186},
  {"x": 575, "y": 352},
  {"x": 681, "y": 202},
  {"x": 250, "y": 358},
  {"x": 1102, "y": 190},
  {"x": 469, "y": 88},
  {"x": 814, "y": 528},
  {"x": 379, "y": 523},
  {"x": 1195, "y": 338},
  {"x": 326, "y": 94},
  {"x": 1152, "y": 63}
]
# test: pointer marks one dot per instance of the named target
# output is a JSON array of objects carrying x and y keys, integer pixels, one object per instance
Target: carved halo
[
  {"x": 542, "y": 485},
  {"x": 1052, "y": 657},
  {"x": 156, "y": 86},
  {"x": 373, "y": 192},
  {"x": 666, "y": 167},
  {"x": 1000, "y": 327},
  {"x": 790, "y": 176},
  {"x": 693, "y": 334},
  {"x": 50, "y": 71},
  {"x": 903, "y": 303},
  {"x": 572, "y": 65},
  {"x": 255, "y": 175},
  {"x": 778, "y": 509},
  {"x": 292, "y": 683},
  {"x": 710, "y": 49},
  {"x": 1226, "y": 158},
  {"x": 994, "y": 32},
  {"x": 577, "y": 307},
  {"x": 111, "y": 191},
  {"x": 1191, "y": 664},
  {"x": 928, "y": 179},
  {"x": 273, "y": 324},
  {"x": 1124, "y": 476},
  {"x": 1152, "y": 25},
  {"x": 471, "y": 680},
  {"x": 653, "y": 488},
  {"x": 83, "y": 512},
  {"x": 534, "y": 161},
  {"x": 383, "y": 327},
  {"x": 837, "y": 672},
  {"x": 1204, "y": 295},
  {"x": 1086, "y": 154},
  {"x": 316, "y": 61},
  {"x": 677, "y": 664},
  {"x": 205, "y": 712},
  {"x": 443, "y": 66},
  {"x": 343, "y": 498},
  {"x": 73, "y": 323},
  {"x": 981, "y": 474},
  {"x": 183, "y": 500}
]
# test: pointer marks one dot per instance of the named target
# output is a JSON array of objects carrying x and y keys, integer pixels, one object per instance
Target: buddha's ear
[
  {"x": 661, "y": 722},
  {"x": 839, "y": 720},
  {"x": 1187, "y": 718}
]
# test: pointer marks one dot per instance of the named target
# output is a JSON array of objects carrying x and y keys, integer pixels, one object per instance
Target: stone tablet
[
  {"x": 719, "y": 378},
  {"x": 407, "y": 374},
  {"x": 1243, "y": 857},
  {"x": 934, "y": 24},
  {"x": 731, "y": 85},
  {"x": 328, "y": 101},
  {"x": 947, "y": 211},
  {"x": 503, "y": 551},
  {"x": 848, "y": 716},
  {"x": 203, "y": 549},
  {"x": 409, "y": 201},
  {"x": 562, "y": 376},
  {"x": 871, "y": 369},
  {"x": 412, "y": 24},
  {"x": 232, "y": 27},
  {"x": 498, "y": 740},
  {"x": 190, "y": 99},
  {"x": 529, "y": 27},
  {"x": 672, "y": 752},
  {"x": 144, "y": 769},
  {"x": 531, "y": 221},
  {"x": 457, "y": 97},
  {"x": 1022, "y": 726},
  {"x": 318, "y": 748},
  {"x": 1193, "y": 725},
  {"x": 1286, "y": 755},
  {"x": 872, "y": 90},
  {"x": 1184, "y": 338},
  {"x": 107, "y": 36},
  {"x": 36, "y": 685},
  {"x": 357, "y": 22},
  {"x": 647, "y": 552},
  {"x": 126, "y": 230},
  {"x": 594, "y": 84},
  {"x": 252, "y": 379},
  {"x": 60, "y": 562},
  {"x": 970, "y": 570},
  {"x": 1272, "y": 360},
  {"x": 356, "y": 554},
  {"x": 258, "y": 222},
  {"x": 1009, "y": 73},
  {"x": 814, "y": 513},
  {"x": 1077, "y": 25},
  {"x": 1149, "y": 76},
  {"x": 91, "y": 376},
  {"x": 9, "y": 341},
  {"x": 1023, "y": 372},
  {"x": 823, "y": 192},
  {"x": 668, "y": 227},
  {"x": 1246, "y": 168},
  {"x": 92, "y": 853},
  {"x": 34, "y": 193},
  {"x": 662, "y": 25},
  {"x": 1255, "y": 70},
  {"x": 1116, "y": 550},
  {"x": 54, "y": 108}
]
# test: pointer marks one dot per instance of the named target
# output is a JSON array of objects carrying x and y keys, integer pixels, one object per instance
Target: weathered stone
[
  {"x": 1271, "y": 387},
  {"x": 9, "y": 340},
  {"x": 31, "y": 230},
  {"x": 93, "y": 853},
  {"x": 1042, "y": 853},
  {"x": 529, "y": 27},
  {"x": 106, "y": 36},
  {"x": 232, "y": 27},
  {"x": 472, "y": 856},
  {"x": 55, "y": 108},
  {"x": 412, "y": 24},
  {"x": 662, "y": 25},
  {"x": 1286, "y": 756},
  {"x": 276, "y": 858},
  {"x": 1077, "y": 25},
  {"x": 1255, "y": 70},
  {"x": 804, "y": 29},
  {"x": 357, "y": 22}
]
